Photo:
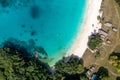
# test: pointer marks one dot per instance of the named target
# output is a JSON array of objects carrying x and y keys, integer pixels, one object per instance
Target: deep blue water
[{"x": 46, "y": 26}]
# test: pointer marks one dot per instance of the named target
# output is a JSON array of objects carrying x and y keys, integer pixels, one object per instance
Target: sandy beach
[{"x": 89, "y": 25}]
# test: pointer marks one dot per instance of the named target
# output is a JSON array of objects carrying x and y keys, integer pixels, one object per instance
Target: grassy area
[
  {"x": 117, "y": 49},
  {"x": 111, "y": 12}
]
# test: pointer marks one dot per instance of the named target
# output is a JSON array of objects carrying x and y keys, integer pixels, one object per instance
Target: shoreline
[{"x": 89, "y": 25}]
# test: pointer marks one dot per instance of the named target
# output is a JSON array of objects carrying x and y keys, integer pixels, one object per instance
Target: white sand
[{"x": 80, "y": 43}]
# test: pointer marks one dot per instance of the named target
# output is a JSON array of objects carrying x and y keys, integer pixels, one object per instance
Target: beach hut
[
  {"x": 102, "y": 37},
  {"x": 88, "y": 73},
  {"x": 103, "y": 33},
  {"x": 114, "y": 29},
  {"x": 108, "y": 24},
  {"x": 92, "y": 68},
  {"x": 108, "y": 41}
]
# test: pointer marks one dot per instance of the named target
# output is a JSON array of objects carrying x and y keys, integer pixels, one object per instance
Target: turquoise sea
[{"x": 46, "y": 26}]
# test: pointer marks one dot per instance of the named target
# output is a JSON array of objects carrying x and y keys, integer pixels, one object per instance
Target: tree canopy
[
  {"x": 115, "y": 60},
  {"x": 118, "y": 1},
  {"x": 94, "y": 41},
  {"x": 16, "y": 66},
  {"x": 103, "y": 74},
  {"x": 73, "y": 66}
]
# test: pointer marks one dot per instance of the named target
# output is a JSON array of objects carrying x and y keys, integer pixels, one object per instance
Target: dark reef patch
[
  {"x": 18, "y": 45},
  {"x": 42, "y": 51},
  {"x": 23, "y": 26},
  {"x": 36, "y": 39},
  {"x": 5, "y": 3},
  {"x": 31, "y": 27},
  {"x": 33, "y": 33},
  {"x": 35, "y": 11},
  {"x": 14, "y": 4},
  {"x": 21, "y": 34},
  {"x": 31, "y": 43},
  {"x": 27, "y": 48}
]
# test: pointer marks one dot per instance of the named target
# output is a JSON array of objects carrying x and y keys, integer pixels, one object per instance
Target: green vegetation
[
  {"x": 16, "y": 66},
  {"x": 114, "y": 60},
  {"x": 118, "y": 1},
  {"x": 103, "y": 74},
  {"x": 73, "y": 66},
  {"x": 70, "y": 68},
  {"x": 94, "y": 41}
]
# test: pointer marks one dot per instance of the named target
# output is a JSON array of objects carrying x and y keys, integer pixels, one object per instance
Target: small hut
[
  {"x": 108, "y": 24},
  {"x": 92, "y": 68},
  {"x": 108, "y": 41},
  {"x": 114, "y": 29},
  {"x": 103, "y": 32}
]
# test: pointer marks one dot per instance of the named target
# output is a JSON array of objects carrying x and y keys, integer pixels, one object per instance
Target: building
[
  {"x": 114, "y": 29},
  {"x": 108, "y": 24},
  {"x": 103, "y": 33},
  {"x": 92, "y": 68},
  {"x": 88, "y": 73},
  {"x": 108, "y": 41}
]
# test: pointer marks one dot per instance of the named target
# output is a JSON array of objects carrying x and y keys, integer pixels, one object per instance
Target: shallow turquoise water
[{"x": 47, "y": 26}]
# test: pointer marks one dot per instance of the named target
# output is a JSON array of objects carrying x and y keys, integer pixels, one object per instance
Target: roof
[
  {"x": 109, "y": 24},
  {"x": 92, "y": 68},
  {"x": 114, "y": 29},
  {"x": 88, "y": 72},
  {"x": 102, "y": 32}
]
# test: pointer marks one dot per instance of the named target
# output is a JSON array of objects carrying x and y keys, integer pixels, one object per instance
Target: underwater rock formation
[
  {"x": 33, "y": 33},
  {"x": 35, "y": 11},
  {"x": 42, "y": 51},
  {"x": 15, "y": 4},
  {"x": 5, "y": 3},
  {"x": 25, "y": 47},
  {"x": 16, "y": 45}
]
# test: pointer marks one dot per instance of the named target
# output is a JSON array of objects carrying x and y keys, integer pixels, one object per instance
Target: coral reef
[{"x": 34, "y": 11}]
